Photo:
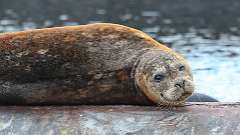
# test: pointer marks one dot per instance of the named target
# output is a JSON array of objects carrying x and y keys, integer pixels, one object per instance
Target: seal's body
[{"x": 90, "y": 64}]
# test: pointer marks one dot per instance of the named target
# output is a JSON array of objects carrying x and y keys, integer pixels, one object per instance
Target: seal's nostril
[
  {"x": 184, "y": 82},
  {"x": 178, "y": 85}
]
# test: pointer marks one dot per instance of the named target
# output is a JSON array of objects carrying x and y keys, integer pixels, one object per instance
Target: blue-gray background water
[{"x": 206, "y": 32}]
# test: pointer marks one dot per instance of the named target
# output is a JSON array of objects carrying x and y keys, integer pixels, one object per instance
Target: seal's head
[{"x": 164, "y": 77}]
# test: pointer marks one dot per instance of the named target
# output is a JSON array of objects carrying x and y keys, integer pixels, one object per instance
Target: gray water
[{"x": 205, "y": 32}]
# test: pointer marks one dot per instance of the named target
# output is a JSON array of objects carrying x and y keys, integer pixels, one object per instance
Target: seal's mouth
[
  {"x": 177, "y": 101},
  {"x": 166, "y": 102}
]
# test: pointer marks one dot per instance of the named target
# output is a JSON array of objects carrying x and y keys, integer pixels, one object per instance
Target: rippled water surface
[{"x": 205, "y": 32}]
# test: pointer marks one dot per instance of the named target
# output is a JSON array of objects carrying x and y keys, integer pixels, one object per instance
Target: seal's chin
[
  {"x": 164, "y": 101},
  {"x": 175, "y": 98},
  {"x": 176, "y": 94}
]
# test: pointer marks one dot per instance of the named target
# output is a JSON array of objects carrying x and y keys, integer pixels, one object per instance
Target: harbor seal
[{"x": 95, "y": 64}]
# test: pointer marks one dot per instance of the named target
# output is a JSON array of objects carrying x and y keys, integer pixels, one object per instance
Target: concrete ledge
[{"x": 194, "y": 118}]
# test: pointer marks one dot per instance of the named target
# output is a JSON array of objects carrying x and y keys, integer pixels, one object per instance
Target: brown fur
[{"x": 87, "y": 64}]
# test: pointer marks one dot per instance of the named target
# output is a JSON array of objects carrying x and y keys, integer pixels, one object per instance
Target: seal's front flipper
[{"x": 197, "y": 97}]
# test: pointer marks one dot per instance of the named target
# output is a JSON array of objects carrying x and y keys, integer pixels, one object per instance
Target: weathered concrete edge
[
  {"x": 213, "y": 103},
  {"x": 188, "y": 105},
  {"x": 194, "y": 118}
]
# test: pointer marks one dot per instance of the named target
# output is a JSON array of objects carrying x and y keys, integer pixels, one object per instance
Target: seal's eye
[
  {"x": 158, "y": 77},
  {"x": 181, "y": 68}
]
